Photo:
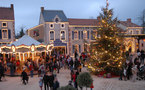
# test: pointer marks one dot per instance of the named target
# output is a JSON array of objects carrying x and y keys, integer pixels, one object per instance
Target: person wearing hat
[{"x": 24, "y": 76}]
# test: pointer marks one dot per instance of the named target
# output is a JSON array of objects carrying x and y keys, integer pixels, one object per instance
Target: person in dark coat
[
  {"x": 56, "y": 84},
  {"x": 1, "y": 71},
  {"x": 76, "y": 54},
  {"x": 71, "y": 64},
  {"x": 12, "y": 69},
  {"x": 76, "y": 64},
  {"x": 45, "y": 80},
  {"x": 50, "y": 80},
  {"x": 24, "y": 77}
]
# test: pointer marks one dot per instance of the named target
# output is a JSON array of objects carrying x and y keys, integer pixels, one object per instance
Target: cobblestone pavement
[{"x": 15, "y": 83}]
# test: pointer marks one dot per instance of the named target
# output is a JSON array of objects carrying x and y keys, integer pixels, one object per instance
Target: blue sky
[{"x": 27, "y": 12}]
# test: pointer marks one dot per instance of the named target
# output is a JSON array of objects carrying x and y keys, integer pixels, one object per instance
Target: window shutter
[
  {"x": 0, "y": 34},
  {"x": 88, "y": 34},
  {"x": 73, "y": 35},
  {"x": 9, "y": 33}
]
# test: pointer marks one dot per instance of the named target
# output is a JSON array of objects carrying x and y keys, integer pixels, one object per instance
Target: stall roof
[{"x": 25, "y": 40}]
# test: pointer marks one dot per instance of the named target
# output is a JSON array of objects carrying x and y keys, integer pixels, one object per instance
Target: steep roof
[
  {"x": 7, "y": 13},
  {"x": 129, "y": 24},
  {"x": 49, "y": 15},
  {"x": 93, "y": 22},
  {"x": 25, "y": 40}
]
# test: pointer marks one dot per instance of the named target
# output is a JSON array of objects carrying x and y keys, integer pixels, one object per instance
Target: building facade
[
  {"x": 70, "y": 35},
  {"x": 7, "y": 25}
]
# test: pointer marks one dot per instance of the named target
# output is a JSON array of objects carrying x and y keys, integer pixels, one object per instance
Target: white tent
[{"x": 25, "y": 40}]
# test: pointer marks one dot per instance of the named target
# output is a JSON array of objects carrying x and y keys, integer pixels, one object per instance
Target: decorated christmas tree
[{"x": 107, "y": 52}]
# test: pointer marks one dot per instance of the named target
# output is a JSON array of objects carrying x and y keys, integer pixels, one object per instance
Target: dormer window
[
  {"x": 56, "y": 20},
  {"x": 4, "y": 24}
]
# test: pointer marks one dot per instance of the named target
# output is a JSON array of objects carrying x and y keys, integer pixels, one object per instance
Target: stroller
[{"x": 141, "y": 73}]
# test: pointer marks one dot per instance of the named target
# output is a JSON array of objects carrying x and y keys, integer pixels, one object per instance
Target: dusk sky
[{"x": 27, "y": 12}]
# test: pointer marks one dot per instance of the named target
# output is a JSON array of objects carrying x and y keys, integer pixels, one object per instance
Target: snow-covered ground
[{"x": 14, "y": 83}]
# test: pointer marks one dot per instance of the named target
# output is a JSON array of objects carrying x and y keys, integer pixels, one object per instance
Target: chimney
[
  {"x": 42, "y": 9},
  {"x": 12, "y": 6},
  {"x": 98, "y": 18},
  {"x": 129, "y": 20}
]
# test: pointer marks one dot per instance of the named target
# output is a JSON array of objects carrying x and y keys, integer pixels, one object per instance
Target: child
[
  {"x": 24, "y": 76},
  {"x": 41, "y": 82}
]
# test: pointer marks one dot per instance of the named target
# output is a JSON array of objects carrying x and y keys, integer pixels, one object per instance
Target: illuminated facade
[
  {"x": 75, "y": 34},
  {"x": 7, "y": 25}
]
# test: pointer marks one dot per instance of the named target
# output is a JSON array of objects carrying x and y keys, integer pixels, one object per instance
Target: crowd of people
[
  {"x": 134, "y": 68},
  {"x": 47, "y": 68}
]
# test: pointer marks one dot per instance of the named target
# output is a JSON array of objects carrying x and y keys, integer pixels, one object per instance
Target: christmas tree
[{"x": 107, "y": 50}]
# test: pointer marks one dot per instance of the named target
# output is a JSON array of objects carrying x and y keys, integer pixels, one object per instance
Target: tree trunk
[{"x": 86, "y": 88}]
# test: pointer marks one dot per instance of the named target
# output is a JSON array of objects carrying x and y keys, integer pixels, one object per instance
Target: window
[
  {"x": 93, "y": 33},
  {"x": 51, "y": 25},
  {"x": 5, "y": 34},
  {"x": 72, "y": 35},
  {"x": 75, "y": 35},
  {"x": 56, "y": 20},
  {"x": 137, "y": 32},
  {"x": 36, "y": 33},
  {"x": 79, "y": 48},
  {"x": 130, "y": 32},
  {"x": 81, "y": 34},
  {"x": 51, "y": 35},
  {"x": 85, "y": 34},
  {"x": 62, "y": 35},
  {"x": 88, "y": 34},
  {"x": 4, "y": 24},
  {"x": 62, "y": 26},
  {"x": 73, "y": 47}
]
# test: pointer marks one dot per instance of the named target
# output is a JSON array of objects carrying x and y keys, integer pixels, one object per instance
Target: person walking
[
  {"x": 56, "y": 84},
  {"x": 42, "y": 69},
  {"x": 50, "y": 80},
  {"x": 24, "y": 77},
  {"x": 31, "y": 70},
  {"x": 45, "y": 81},
  {"x": 134, "y": 72},
  {"x": 40, "y": 82},
  {"x": 1, "y": 71}
]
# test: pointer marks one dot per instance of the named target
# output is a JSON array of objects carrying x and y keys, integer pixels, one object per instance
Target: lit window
[
  {"x": 130, "y": 32},
  {"x": 62, "y": 35},
  {"x": 51, "y": 35},
  {"x": 4, "y": 24},
  {"x": 5, "y": 34},
  {"x": 85, "y": 34}
]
